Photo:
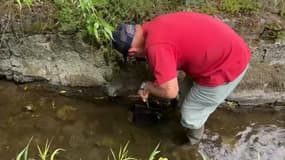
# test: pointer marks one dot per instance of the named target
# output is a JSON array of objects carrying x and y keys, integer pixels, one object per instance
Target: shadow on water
[{"x": 87, "y": 129}]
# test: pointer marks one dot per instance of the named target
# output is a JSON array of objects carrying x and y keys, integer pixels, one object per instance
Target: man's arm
[{"x": 168, "y": 89}]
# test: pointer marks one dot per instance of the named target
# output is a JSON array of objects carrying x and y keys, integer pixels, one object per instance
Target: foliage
[
  {"x": 99, "y": 16},
  {"x": 123, "y": 154},
  {"x": 209, "y": 7},
  {"x": 69, "y": 15},
  {"x": 154, "y": 153},
  {"x": 77, "y": 14},
  {"x": 275, "y": 6},
  {"x": 194, "y": 2},
  {"x": 44, "y": 153},
  {"x": 238, "y": 6},
  {"x": 23, "y": 155},
  {"x": 26, "y": 2}
]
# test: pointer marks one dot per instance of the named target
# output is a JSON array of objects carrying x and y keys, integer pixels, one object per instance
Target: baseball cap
[{"x": 123, "y": 37}]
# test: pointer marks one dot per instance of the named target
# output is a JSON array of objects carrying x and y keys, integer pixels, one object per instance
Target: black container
[{"x": 144, "y": 115}]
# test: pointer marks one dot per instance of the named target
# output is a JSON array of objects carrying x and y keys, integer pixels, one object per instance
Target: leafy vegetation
[
  {"x": 99, "y": 17},
  {"x": 123, "y": 154},
  {"x": 238, "y": 6},
  {"x": 26, "y": 2},
  {"x": 77, "y": 14},
  {"x": 275, "y": 6},
  {"x": 44, "y": 153}
]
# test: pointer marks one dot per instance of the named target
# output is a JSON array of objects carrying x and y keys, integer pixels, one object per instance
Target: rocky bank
[{"x": 31, "y": 50}]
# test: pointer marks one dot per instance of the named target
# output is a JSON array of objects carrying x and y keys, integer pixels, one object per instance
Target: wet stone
[{"x": 29, "y": 108}]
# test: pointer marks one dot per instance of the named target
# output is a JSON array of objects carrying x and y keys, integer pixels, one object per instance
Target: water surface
[{"x": 88, "y": 128}]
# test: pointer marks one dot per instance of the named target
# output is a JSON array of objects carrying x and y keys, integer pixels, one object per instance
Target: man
[{"x": 205, "y": 48}]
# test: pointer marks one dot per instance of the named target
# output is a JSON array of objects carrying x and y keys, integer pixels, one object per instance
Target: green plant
[
  {"x": 23, "y": 155},
  {"x": 274, "y": 6},
  {"x": 96, "y": 25},
  {"x": 154, "y": 153},
  {"x": 26, "y": 2},
  {"x": 123, "y": 154},
  {"x": 209, "y": 7},
  {"x": 44, "y": 153},
  {"x": 69, "y": 17},
  {"x": 75, "y": 14},
  {"x": 195, "y": 2},
  {"x": 238, "y": 6}
]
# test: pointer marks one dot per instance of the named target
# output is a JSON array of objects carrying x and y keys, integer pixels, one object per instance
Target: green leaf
[
  {"x": 108, "y": 32},
  {"x": 24, "y": 152},
  {"x": 55, "y": 153},
  {"x": 20, "y": 4},
  {"x": 154, "y": 152}
]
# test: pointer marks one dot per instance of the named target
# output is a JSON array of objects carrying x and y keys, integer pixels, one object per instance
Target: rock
[
  {"x": 29, "y": 108},
  {"x": 52, "y": 58}
]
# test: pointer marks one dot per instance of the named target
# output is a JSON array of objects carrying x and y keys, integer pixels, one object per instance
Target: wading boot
[
  {"x": 190, "y": 148},
  {"x": 194, "y": 135}
]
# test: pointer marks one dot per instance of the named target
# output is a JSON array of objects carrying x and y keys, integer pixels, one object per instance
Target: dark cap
[{"x": 123, "y": 37}]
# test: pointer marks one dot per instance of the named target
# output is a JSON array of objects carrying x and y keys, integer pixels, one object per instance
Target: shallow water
[{"x": 88, "y": 128}]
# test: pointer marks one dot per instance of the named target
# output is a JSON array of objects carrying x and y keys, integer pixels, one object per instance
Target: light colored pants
[{"x": 201, "y": 101}]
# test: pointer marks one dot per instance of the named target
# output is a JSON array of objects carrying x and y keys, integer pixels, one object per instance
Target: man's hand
[
  {"x": 168, "y": 89},
  {"x": 143, "y": 94},
  {"x": 144, "y": 91}
]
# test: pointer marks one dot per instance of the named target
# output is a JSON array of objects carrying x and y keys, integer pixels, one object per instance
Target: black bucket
[{"x": 144, "y": 115}]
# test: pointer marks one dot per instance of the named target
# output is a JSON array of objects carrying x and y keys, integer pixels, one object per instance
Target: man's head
[{"x": 128, "y": 39}]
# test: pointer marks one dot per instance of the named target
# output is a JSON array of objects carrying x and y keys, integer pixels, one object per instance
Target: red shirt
[{"x": 202, "y": 46}]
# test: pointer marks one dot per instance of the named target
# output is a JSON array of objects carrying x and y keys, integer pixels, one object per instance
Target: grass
[
  {"x": 123, "y": 154},
  {"x": 24, "y": 154},
  {"x": 234, "y": 7},
  {"x": 45, "y": 152},
  {"x": 26, "y": 2}
]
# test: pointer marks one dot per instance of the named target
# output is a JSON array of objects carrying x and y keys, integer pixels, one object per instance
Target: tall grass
[
  {"x": 45, "y": 153},
  {"x": 26, "y": 2},
  {"x": 24, "y": 154},
  {"x": 123, "y": 154}
]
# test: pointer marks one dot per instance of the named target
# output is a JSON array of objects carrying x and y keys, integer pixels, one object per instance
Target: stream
[{"x": 87, "y": 128}]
